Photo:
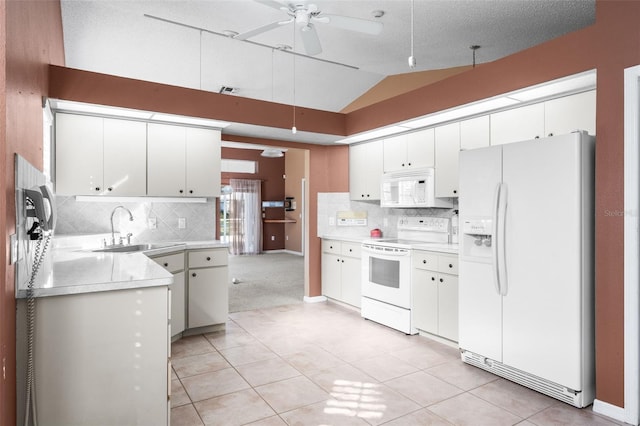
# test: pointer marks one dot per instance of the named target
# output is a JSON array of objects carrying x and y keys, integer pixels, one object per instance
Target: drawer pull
[
  {"x": 424, "y": 261},
  {"x": 166, "y": 264},
  {"x": 441, "y": 280},
  {"x": 433, "y": 278},
  {"x": 209, "y": 258},
  {"x": 350, "y": 250},
  {"x": 194, "y": 274},
  {"x": 450, "y": 265}
]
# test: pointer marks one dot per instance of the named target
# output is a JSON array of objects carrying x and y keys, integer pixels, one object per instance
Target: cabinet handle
[
  {"x": 97, "y": 188},
  {"x": 330, "y": 247},
  {"x": 455, "y": 191},
  {"x": 191, "y": 191},
  {"x": 550, "y": 134},
  {"x": 181, "y": 191},
  {"x": 110, "y": 189},
  {"x": 433, "y": 278},
  {"x": 343, "y": 261},
  {"x": 424, "y": 261},
  {"x": 166, "y": 264},
  {"x": 194, "y": 274},
  {"x": 409, "y": 164},
  {"x": 350, "y": 250},
  {"x": 361, "y": 195},
  {"x": 209, "y": 258},
  {"x": 441, "y": 280},
  {"x": 450, "y": 265},
  {"x": 338, "y": 260},
  {"x": 402, "y": 164}
]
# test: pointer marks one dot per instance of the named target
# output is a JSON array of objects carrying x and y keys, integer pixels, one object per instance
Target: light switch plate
[
  {"x": 152, "y": 223},
  {"x": 182, "y": 223}
]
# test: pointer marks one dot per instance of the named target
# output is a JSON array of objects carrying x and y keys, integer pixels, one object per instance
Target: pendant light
[
  {"x": 412, "y": 59},
  {"x": 294, "y": 130}
]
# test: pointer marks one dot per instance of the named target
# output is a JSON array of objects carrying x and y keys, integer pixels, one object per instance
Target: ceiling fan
[{"x": 305, "y": 16}]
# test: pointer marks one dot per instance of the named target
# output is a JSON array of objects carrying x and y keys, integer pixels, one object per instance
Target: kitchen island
[{"x": 102, "y": 336}]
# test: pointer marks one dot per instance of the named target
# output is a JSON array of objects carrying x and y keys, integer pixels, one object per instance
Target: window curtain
[{"x": 245, "y": 216}]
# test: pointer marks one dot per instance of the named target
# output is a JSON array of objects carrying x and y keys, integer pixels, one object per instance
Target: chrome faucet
[{"x": 113, "y": 237}]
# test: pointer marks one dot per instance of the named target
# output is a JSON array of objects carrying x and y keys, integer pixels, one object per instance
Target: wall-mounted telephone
[{"x": 40, "y": 204}]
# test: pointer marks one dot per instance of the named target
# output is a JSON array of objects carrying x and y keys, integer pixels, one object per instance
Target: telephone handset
[{"x": 40, "y": 204}]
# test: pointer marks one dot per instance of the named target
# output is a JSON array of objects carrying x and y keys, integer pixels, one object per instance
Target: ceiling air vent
[{"x": 226, "y": 90}]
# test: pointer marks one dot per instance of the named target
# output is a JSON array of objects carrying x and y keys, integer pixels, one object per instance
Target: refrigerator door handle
[
  {"x": 495, "y": 232},
  {"x": 501, "y": 240}
]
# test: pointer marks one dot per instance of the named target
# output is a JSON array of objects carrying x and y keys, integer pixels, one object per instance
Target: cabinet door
[
  {"x": 203, "y": 162},
  {"x": 165, "y": 160},
  {"x": 447, "y": 148},
  {"x": 424, "y": 289},
  {"x": 394, "y": 152},
  {"x": 575, "y": 112},
  {"x": 448, "y": 306},
  {"x": 208, "y": 297},
  {"x": 420, "y": 148},
  {"x": 365, "y": 170},
  {"x": 474, "y": 133},
  {"x": 125, "y": 157},
  {"x": 331, "y": 276},
  {"x": 351, "y": 283},
  {"x": 178, "y": 307},
  {"x": 79, "y": 168},
  {"x": 518, "y": 124}
]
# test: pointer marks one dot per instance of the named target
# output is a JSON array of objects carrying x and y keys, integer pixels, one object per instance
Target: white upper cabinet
[
  {"x": 569, "y": 113},
  {"x": 183, "y": 161},
  {"x": 365, "y": 170},
  {"x": 203, "y": 162},
  {"x": 125, "y": 157},
  {"x": 518, "y": 124},
  {"x": 447, "y": 148},
  {"x": 409, "y": 151},
  {"x": 100, "y": 156},
  {"x": 474, "y": 133},
  {"x": 166, "y": 160},
  {"x": 79, "y": 160}
]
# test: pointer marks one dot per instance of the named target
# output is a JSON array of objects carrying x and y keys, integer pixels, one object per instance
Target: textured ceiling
[{"x": 182, "y": 43}]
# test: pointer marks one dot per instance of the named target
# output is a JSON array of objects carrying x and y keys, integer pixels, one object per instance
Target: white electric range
[{"x": 386, "y": 269}]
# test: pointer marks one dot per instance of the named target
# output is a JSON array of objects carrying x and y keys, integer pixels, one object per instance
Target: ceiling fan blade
[
  {"x": 310, "y": 40},
  {"x": 272, "y": 4},
  {"x": 353, "y": 24},
  {"x": 260, "y": 30}
]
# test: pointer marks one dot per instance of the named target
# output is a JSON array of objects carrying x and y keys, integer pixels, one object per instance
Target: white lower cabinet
[
  {"x": 341, "y": 271},
  {"x": 207, "y": 287},
  {"x": 174, "y": 263},
  {"x": 434, "y": 293},
  {"x": 103, "y": 358}
]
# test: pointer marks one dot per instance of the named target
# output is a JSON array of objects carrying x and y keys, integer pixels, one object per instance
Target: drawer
[
  {"x": 207, "y": 258},
  {"x": 425, "y": 260},
  {"x": 331, "y": 246},
  {"x": 448, "y": 264},
  {"x": 351, "y": 249},
  {"x": 171, "y": 262}
]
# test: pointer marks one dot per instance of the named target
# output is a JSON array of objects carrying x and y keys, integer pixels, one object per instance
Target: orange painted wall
[{"x": 31, "y": 37}]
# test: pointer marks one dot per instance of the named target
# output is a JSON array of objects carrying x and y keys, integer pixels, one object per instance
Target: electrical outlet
[
  {"x": 273, "y": 238},
  {"x": 286, "y": 238},
  {"x": 332, "y": 221},
  {"x": 152, "y": 223},
  {"x": 182, "y": 223}
]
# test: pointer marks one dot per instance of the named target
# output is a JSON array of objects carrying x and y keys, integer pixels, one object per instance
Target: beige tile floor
[{"x": 322, "y": 364}]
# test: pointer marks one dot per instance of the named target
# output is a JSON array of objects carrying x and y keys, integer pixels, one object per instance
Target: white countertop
[{"x": 75, "y": 270}]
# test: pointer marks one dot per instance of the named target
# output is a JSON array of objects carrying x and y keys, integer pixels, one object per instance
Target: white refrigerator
[{"x": 526, "y": 278}]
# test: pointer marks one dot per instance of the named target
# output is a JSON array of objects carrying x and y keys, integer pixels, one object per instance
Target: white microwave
[{"x": 407, "y": 189}]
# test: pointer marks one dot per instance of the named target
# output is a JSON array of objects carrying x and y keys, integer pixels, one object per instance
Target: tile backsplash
[
  {"x": 330, "y": 203},
  {"x": 82, "y": 217}
]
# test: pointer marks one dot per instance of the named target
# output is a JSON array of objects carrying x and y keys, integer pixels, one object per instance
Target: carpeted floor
[{"x": 265, "y": 280}]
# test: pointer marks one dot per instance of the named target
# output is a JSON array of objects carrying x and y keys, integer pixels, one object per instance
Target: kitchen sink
[{"x": 133, "y": 247}]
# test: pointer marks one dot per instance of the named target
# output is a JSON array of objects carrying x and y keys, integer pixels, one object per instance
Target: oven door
[{"x": 386, "y": 274}]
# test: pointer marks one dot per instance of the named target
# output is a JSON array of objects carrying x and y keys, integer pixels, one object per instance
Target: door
[
  {"x": 542, "y": 303},
  {"x": 166, "y": 160},
  {"x": 203, "y": 162},
  {"x": 480, "y": 304},
  {"x": 125, "y": 157},
  {"x": 387, "y": 276}
]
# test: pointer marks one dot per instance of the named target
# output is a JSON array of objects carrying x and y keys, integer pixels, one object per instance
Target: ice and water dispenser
[{"x": 477, "y": 237}]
